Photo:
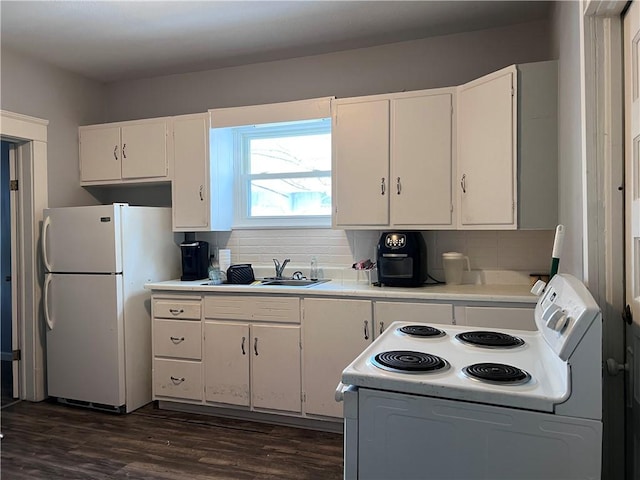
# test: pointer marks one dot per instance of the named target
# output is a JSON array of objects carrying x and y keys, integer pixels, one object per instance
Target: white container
[{"x": 454, "y": 264}]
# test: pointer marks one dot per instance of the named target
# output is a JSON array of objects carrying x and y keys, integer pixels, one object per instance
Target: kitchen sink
[{"x": 291, "y": 282}]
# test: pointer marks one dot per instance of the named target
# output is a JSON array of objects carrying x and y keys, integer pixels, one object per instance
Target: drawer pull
[
  {"x": 366, "y": 330},
  {"x": 177, "y": 380},
  {"x": 177, "y": 340},
  {"x": 176, "y": 311},
  {"x": 242, "y": 346},
  {"x": 255, "y": 346},
  {"x": 381, "y": 327}
]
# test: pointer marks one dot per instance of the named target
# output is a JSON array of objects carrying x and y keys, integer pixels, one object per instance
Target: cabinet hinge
[
  {"x": 303, "y": 397},
  {"x": 13, "y": 185},
  {"x": 16, "y": 355}
]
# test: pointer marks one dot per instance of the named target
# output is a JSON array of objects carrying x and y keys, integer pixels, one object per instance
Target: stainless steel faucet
[{"x": 280, "y": 268}]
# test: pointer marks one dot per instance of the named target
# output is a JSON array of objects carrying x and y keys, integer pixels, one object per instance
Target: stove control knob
[
  {"x": 538, "y": 288},
  {"x": 557, "y": 320},
  {"x": 552, "y": 315}
]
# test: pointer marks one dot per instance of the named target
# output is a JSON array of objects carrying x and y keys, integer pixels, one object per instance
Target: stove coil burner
[
  {"x": 408, "y": 361},
  {"x": 421, "y": 331},
  {"x": 496, "y": 373},
  {"x": 490, "y": 339}
]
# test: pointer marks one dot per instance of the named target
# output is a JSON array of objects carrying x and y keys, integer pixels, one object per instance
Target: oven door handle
[{"x": 341, "y": 388}]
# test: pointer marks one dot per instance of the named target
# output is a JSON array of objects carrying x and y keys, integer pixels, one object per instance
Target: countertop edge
[{"x": 469, "y": 293}]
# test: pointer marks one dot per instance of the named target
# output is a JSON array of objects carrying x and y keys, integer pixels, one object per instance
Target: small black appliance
[
  {"x": 402, "y": 259},
  {"x": 195, "y": 260}
]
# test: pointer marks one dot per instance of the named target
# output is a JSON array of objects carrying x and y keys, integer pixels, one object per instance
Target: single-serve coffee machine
[{"x": 195, "y": 260}]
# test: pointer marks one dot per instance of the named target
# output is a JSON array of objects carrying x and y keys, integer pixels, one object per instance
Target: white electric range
[{"x": 435, "y": 401}]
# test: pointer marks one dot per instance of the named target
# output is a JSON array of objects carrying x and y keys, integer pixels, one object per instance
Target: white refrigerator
[{"x": 98, "y": 341}]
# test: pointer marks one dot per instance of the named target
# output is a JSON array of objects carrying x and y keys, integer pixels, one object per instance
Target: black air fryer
[
  {"x": 402, "y": 259},
  {"x": 195, "y": 260}
]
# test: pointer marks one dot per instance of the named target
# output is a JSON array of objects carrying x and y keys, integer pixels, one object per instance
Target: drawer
[
  {"x": 386, "y": 313},
  {"x": 177, "y": 379},
  {"x": 255, "y": 308},
  {"x": 497, "y": 317},
  {"x": 177, "y": 309},
  {"x": 177, "y": 339}
]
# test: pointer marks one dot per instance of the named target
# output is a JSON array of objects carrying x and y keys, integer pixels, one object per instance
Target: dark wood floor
[{"x": 46, "y": 440}]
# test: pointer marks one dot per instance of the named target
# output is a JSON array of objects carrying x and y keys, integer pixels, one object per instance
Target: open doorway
[{"x": 7, "y": 331}]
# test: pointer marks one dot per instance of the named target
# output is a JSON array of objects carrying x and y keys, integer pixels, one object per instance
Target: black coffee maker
[{"x": 195, "y": 260}]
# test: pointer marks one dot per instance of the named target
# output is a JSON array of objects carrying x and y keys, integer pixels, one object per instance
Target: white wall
[
  {"x": 566, "y": 47},
  {"x": 32, "y": 87},
  {"x": 427, "y": 63}
]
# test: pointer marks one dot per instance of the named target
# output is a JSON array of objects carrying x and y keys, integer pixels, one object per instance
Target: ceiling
[{"x": 120, "y": 40}]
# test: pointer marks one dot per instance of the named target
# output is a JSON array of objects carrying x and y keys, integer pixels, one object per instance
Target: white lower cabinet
[
  {"x": 177, "y": 348},
  {"x": 335, "y": 331},
  {"x": 252, "y": 352}
]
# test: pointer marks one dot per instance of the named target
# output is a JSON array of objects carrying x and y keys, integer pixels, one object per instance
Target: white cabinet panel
[
  {"x": 100, "y": 154},
  {"x": 361, "y": 163},
  {"x": 226, "y": 376},
  {"x": 335, "y": 332},
  {"x": 421, "y": 161},
  {"x": 178, "y": 379},
  {"x": 177, "y": 339},
  {"x": 144, "y": 150},
  {"x": 487, "y": 150},
  {"x": 275, "y": 367}
]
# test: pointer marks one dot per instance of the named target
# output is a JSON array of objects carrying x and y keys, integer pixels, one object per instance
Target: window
[{"x": 283, "y": 174}]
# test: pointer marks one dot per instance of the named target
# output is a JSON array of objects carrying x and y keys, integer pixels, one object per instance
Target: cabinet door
[
  {"x": 144, "y": 150},
  {"x": 421, "y": 163},
  {"x": 100, "y": 154},
  {"x": 335, "y": 332},
  {"x": 226, "y": 354},
  {"x": 275, "y": 367},
  {"x": 361, "y": 163},
  {"x": 190, "y": 185},
  {"x": 487, "y": 151}
]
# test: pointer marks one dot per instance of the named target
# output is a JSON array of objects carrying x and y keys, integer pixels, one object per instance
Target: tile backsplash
[{"x": 526, "y": 251}]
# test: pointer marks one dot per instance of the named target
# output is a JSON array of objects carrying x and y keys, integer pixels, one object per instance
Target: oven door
[{"x": 403, "y": 436}]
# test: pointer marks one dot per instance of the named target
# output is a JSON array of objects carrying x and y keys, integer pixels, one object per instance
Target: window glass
[{"x": 283, "y": 174}]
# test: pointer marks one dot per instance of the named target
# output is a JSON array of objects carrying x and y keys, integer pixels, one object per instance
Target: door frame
[
  {"x": 603, "y": 202},
  {"x": 29, "y": 134}
]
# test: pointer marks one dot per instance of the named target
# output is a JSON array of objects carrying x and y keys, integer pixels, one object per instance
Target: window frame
[{"x": 242, "y": 136}]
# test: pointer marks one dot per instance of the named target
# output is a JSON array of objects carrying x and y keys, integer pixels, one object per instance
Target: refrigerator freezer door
[
  {"x": 85, "y": 340},
  {"x": 82, "y": 239}
]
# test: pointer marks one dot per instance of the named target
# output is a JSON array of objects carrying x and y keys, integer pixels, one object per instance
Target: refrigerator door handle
[
  {"x": 47, "y": 316},
  {"x": 45, "y": 229}
]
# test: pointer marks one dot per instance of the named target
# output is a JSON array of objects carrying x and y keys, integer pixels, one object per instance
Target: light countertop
[{"x": 519, "y": 293}]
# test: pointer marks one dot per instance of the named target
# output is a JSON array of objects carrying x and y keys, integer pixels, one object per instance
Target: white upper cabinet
[
  {"x": 507, "y": 149},
  {"x": 201, "y": 187},
  {"x": 125, "y": 152},
  {"x": 421, "y": 161},
  {"x": 360, "y": 139},
  {"x": 393, "y": 160}
]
